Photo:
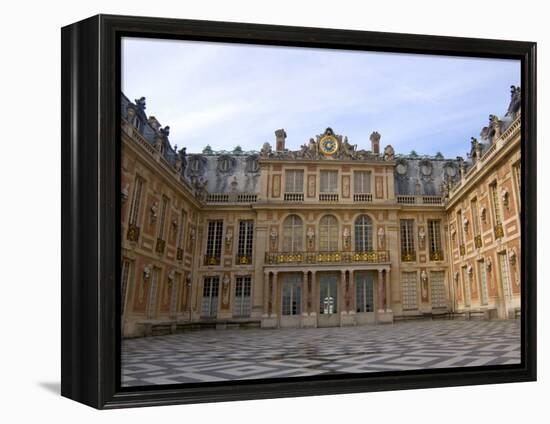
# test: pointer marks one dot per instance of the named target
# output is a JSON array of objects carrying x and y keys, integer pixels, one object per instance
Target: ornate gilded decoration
[
  {"x": 408, "y": 256},
  {"x": 499, "y": 231},
  {"x": 289, "y": 258},
  {"x": 328, "y": 145},
  {"x": 477, "y": 241},
  {"x": 133, "y": 233},
  {"x": 160, "y": 245}
]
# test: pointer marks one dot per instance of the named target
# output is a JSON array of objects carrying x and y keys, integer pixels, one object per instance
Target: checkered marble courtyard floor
[{"x": 218, "y": 355}]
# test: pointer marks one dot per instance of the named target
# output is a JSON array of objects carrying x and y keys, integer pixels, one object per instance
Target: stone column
[
  {"x": 388, "y": 291},
  {"x": 343, "y": 292},
  {"x": 381, "y": 292},
  {"x": 311, "y": 293},
  {"x": 305, "y": 280}
]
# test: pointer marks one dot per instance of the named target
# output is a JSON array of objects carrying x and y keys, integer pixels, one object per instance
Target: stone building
[{"x": 328, "y": 235}]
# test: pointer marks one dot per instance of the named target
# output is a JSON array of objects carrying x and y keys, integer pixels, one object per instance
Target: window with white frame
[
  {"x": 241, "y": 305},
  {"x": 364, "y": 292},
  {"x": 329, "y": 181},
  {"x": 363, "y": 234},
  {"x": 246, "y": 238},
  {"x": 482, "y": 272},
  {"x": 153, "y": 289},
  {"x": 495, "y": 204},
  {"x": 210, "y": 291},
  {"x": 181, "y": 232},
  {"x": 294, "y": 181},
  {"x": 409, "y": 291},
  {"x": 460, "y": 229},
  {"x": 136, "y": 202},
  {"x": 361, "y": 182},
  {"x": 214, "y": 239},
  {"x": 292, "y": 295},
  {"x": 162, "y": 220},
  {"x": 434, "y": 234},
  {"x": 407, "y": 238},
  {"x": 293, "y": 234},
  {"x": 438, "y": 291},
  {"x": 505, "y": 274},
  {"x": 124, "y": 282},
  {"x": 328, "y": 234},
  {"x": 475, "y": 216},
  {"x": 466, "y": 287}
]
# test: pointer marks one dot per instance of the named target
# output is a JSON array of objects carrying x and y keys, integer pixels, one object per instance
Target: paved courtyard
[{"x": 218, "y": 355}]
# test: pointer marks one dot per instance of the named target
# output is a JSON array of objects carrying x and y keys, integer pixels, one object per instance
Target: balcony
[
  {"x": 408, "y": 256},
  {"x": 362, "y": 197},
  {"x": 294, "y": 197},
  {"x": 227, "y": 198},
  {"x": 243, "y": 259},
  {"x": 436, "y": 255},
  {"x": 499, "y": 231},
  {"x": 212, "y": 260},
  {"x": 328, "y": 197},
  {"x": 305, "y": 258},
  {"x": 133, "y": 233},
  {"x": 477, "y": 241},
  {"x": 419, "y": 200}
]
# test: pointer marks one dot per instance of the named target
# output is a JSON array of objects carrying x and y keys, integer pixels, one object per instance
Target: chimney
[
  {"x": 375, "y": 143},
  {"x": 280, "y": 137}
]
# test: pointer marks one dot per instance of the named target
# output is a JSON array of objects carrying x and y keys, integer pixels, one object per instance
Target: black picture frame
[{"x": 90, "y": 177}]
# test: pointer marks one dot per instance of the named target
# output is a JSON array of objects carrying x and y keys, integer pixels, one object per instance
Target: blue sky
[{"x": 233, "y": 94}]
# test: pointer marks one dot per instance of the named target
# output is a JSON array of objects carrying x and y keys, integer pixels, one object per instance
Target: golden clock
[{"x": 328, "y": 145}]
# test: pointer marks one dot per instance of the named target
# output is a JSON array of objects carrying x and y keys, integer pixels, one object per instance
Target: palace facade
[{"x": 328, "y": 235}]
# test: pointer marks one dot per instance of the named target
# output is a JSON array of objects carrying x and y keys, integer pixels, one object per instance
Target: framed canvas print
[{"x": 255, "y": 211}]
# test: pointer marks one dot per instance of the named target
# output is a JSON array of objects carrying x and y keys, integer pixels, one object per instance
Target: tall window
[
  {"x": 292, "y": 295},
  {"x": 363, "y": 234},
  {"x": 328, "y": 234},
  {"x": 409, "y": 291},
  {"x": 516, "y": 169},
  {"x": 152, "y": 305},
  {"x": 438, "y": 291},
  {"x": 361, "y": 182},
  {"x": 466, "y": 280},
  {"x": 162, "y": 221},
  {"x": 241, "y": 306},
  {"x": 407, "y": 240},
  {"x": 246, "y": 234},
  {"x": 294, "y": 181},
  {"x": 293, "y": 234},
  {"x": 364, "y": 292},
  {"x": 482, "y": 272},
  {"x": 124, "y": 279},
  {"x": 495, "y": 203},
  {"x": 459, "y": 229},
  {"x": 328, "y": 295},
  {"x": 181, "y": 233},
  {"x": 434, "y": 233},
  {"x": 329, "y": 182},
  {"x": 475, "y": 216},
  {"x": 210, "y": 292},
  {"x": 136, "y": 202},
  {"x": 214, "y": 241},
  {"x": 505, "y": 274}
]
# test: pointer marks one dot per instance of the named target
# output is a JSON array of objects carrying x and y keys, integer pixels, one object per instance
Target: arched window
[
  {"x": 328, "y": 234},
  {"x": 363, "y": 234},
  {"x": 293, "y": 234}
]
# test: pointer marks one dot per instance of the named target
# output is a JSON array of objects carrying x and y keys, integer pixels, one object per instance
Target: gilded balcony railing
[
  {"x": 133, "y": 233},
  {"x": 408, "y": 256},
  {"x": 299, "y": 258},
  {"x": 499, "y": 231},
  {"x": 477, "y": 241},
  {"x": 212, "y": 260},
  {"x": 243, "y": 259},
  {"x": 436, "y": 255}
]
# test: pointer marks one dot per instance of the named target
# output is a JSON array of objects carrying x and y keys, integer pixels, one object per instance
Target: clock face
[{"x": 328, "y": 145}]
